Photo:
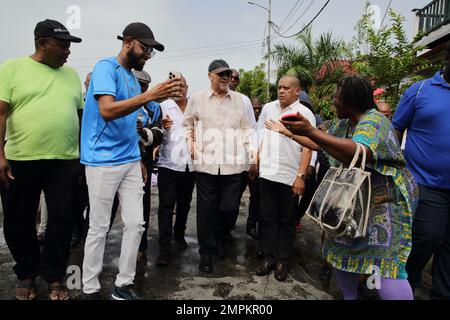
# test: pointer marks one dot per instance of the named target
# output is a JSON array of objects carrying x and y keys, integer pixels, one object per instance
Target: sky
[{"x": 194, "y": 32}]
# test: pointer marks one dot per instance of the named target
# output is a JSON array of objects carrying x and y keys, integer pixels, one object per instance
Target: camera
[{"x": 174, "y": 74}]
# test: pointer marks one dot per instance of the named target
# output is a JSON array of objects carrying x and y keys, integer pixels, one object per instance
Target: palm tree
[
  {"x": 319, "y": 63},
  {"x": 306, "y": 59}
]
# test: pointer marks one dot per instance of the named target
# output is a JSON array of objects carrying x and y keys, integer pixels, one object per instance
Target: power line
[
  {"x": 218, "y": 51},
  {"x": 204, "y": 56},
  {"x": 307, "y": 26},
  {"x": 160, "y": 59},
  {"x": 188, "y": 58},
  {"x": 385, "y": 14},
  {"x": 291, "y": 13},
  {"x": 226, "y": 45},
  {"x": 301, "y": 16}
]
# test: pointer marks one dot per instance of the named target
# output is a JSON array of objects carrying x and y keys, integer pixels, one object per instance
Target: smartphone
[
  {"x": 290, "y": 117},
  {"x": 174, "y": 74},
  {"x": 177, "y": 75}
]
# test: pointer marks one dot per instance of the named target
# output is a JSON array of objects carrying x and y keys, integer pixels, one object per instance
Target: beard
[{"x": 133, "y": 60}]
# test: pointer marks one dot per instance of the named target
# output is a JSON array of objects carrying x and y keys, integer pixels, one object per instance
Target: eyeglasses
[
  {"x": 235, "y": 78},
  {"x": 147, "y": 49},
  {"x": 224, "y": 74}
]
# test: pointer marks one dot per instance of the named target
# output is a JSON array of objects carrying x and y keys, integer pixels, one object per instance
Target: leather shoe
[
  {"x": 205, "y": 264},
  {"x": 252, "y": 232},
  {"x": 265, "y": 269},
  {"x": 281, "y": 271}
]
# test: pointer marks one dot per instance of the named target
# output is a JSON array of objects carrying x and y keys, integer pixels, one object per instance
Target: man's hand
[
  {"x": 144, "y": 173},
  {"x": 5, "y": 173},
  {"x": 167, "y": 89},
  {"x": 192, "y": 150},
  {"x": 253, "y": 171},
  {"x": 302, "y": 127},
  {"x": 167, "y": 123},
  {"x": 141, "y": 131},
  {"x": 299, "y": 187},
  {"x": 277, "y": 127}
]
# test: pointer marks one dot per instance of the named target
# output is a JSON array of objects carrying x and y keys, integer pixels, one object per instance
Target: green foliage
[
  {"x": 253, "y": 84},
  {"x": 317, "y": 63},
  {"x": 386, "y": 56}
]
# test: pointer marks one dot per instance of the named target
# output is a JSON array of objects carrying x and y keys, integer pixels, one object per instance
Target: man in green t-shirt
[{"x": 40, "y": 99}]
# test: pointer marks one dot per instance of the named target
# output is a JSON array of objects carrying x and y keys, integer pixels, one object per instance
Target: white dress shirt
[
  {"x": 221, "y": 132},
  {"x": 174, "y": 153},
  {"x": 279, "y": 155}
]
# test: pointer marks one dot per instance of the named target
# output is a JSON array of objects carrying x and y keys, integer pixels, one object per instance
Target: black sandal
[
  {"x": 28, "y": 285},
  {"x": 58, "y": 292}
]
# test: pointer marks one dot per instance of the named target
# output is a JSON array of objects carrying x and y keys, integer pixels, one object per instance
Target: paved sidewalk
[{"x": 233, "y": 278}]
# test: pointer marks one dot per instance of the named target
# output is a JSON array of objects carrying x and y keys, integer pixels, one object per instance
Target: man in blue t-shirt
[
  {"x": 425, "y": 112},
  {"x": 149, "y": 129},
  {"x": 110, "y": 152}
]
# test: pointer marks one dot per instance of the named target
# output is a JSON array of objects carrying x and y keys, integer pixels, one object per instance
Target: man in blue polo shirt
[
  {"x": 110, "y": 152},
  {"x": 425, "y": 112}
]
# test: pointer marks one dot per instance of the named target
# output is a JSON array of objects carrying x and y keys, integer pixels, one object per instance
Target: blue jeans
[{"x": 431, "y": 237}]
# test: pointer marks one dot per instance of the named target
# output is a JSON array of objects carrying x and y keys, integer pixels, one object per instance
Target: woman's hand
[
  {"x": 301, "y": 127},
  {"x": 277, "y": 127}
]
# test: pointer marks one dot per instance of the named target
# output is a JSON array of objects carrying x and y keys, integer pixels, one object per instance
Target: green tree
[
  {"x": 318, "y": 63},
  {"x": 386, "y": 56},
  {"x": 254, "y": 84}
]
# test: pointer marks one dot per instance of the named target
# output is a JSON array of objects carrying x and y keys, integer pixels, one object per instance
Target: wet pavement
[{"x": 233, "y": 277}]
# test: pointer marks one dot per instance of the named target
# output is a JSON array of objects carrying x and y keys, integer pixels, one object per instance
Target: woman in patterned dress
[{"x": 387, "y": 245}]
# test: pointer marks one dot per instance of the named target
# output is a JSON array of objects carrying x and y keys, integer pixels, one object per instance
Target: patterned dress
[{"x": 393, "y": 201}]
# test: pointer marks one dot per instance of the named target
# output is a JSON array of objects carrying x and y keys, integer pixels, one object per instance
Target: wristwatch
[{"x": 302, "y": 176}]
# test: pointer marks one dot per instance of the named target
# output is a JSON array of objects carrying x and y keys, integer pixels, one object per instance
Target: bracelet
[{"x": 301, "y": 176}]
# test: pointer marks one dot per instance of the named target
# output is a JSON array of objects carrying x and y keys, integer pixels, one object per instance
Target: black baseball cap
[
  {"x": 54, "y": 29},
  {"x": 218, "y": 66},
  {"x": 143, "y": 33}
]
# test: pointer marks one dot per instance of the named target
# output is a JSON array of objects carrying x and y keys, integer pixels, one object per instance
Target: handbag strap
[
  {"x": 364, "y": 158},
  {"x": 356, "y": 156}
]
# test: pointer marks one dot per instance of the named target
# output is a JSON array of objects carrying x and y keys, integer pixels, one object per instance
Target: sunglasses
[
  {"x": 235, "y": 78},
  {"x": 147, "y": 49},
  {"x": 224, "y": 74}
]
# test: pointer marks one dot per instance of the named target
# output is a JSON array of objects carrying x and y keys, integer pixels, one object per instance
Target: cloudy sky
[{"x": 194, "y": 32}]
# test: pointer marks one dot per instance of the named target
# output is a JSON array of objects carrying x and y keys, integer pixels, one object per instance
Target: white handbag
[{"x": 341, "y": 203}]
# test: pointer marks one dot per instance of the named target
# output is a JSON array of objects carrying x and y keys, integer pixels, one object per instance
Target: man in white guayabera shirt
[
  {"x": 176, "y": 178},
  {"x": 283, "y": 165},
  {"x": 218, "y": 136}
]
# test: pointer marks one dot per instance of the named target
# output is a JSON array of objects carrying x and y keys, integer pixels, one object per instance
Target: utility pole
[{"x": 269, "y": 51}]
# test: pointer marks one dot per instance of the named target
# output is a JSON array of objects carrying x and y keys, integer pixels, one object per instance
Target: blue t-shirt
[
  {"x": 425, "y": 111},
  {"x": 115, "y": 142}
]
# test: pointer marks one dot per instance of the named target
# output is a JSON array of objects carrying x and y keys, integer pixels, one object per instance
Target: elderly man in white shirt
[
  {"x": 176, "y": 177},
  {"x": 218, "y": 136},
  {"x": 283, "y": 165}
]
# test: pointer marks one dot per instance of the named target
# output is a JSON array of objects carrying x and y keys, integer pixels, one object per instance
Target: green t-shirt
[{"x": 43, "y": 103}]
